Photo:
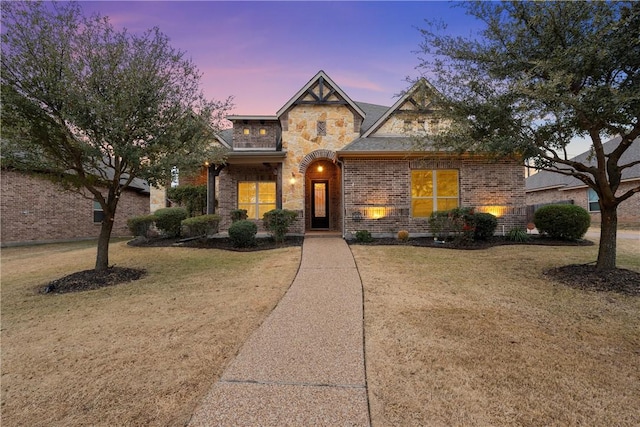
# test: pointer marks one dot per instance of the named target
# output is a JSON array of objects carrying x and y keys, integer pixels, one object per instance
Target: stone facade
[
  {"x": 366, "y": 157},
  {"x": 33, "y": 209},
  {"x": 628, "y": 211}
]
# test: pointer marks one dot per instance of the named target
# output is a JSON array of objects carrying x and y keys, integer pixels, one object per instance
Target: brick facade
[
  {"x": 378, "y": 192},
  {"x": 628, "y": 211},
  {"x": 33, "y": 209}
]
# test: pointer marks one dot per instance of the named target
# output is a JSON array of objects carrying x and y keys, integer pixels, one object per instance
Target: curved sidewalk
[{"x": 304, "y": 366}]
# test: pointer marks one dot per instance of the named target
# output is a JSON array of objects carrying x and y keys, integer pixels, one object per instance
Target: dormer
[{"x": 256, "y": 133}]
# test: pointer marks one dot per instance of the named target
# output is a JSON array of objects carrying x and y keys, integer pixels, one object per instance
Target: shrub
[
  {"x": 238, "y": 215},
  {"x": 568, "y": 222},
  {"x": 363, "y": 236},
  {"x": 403, "y": 235},
  {"x": 140, "y": 225},
  {"x": 278, "y": 221},
  {"x": 517, "y": 234},
  {"x": 191, "y": 197},
  {"x": 458, "y": 224},
  {"x": 169, "y": 220},
  {"x": 485, "y": 224},
  {"x": 200, "y": 225},
  {"x": 243, "y": 233}
]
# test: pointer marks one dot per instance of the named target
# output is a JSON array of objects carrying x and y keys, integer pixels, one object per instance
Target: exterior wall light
[{"x": 320, "y": 168}]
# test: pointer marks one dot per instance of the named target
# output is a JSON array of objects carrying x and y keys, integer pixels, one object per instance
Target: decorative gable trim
[
  {"x": 321, "y": 90},
  {"x": 407, "y": 98}
]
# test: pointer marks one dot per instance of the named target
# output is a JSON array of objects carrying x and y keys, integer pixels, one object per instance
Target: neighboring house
[
  {"x": 347, "y": 166},
  {"x": 35, "y": 210},
  {"x": 547, "y": 187}
]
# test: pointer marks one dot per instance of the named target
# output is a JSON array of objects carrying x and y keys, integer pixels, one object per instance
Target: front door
[{"x": 319, "y": 204}]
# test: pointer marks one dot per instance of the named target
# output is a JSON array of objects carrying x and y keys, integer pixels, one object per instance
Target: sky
[{"x": 262, "y": 53}]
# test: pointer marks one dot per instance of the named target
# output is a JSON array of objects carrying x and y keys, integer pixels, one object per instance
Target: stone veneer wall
[
  {"x": 300, "y": 137},
  {"x": 628, "y": 211},
  {"x": 383, "y": 188},
  {"x": 34, "y": 209}
]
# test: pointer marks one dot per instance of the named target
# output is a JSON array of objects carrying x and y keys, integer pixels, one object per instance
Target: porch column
[{"x": 212, "y": 172}]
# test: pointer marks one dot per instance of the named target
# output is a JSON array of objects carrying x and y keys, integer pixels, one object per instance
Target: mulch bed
[
  {"x": 91, "y": 279},
  {"x": 578, "y": 276},
  {"x": 586, "y": 277}
]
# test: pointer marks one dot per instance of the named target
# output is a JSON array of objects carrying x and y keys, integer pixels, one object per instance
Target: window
[
  {"x": 433, "y": 190},
  {"x": 408, "y": 125},
  {"x": 594, "y": 205},
  {"x": 98, "y": 213},
  {"x": 246, "y": 131},
  {"x": 322, "y": 128},
  {"x": 256, "y": 197},
  {"x": 263, "y": 131}
]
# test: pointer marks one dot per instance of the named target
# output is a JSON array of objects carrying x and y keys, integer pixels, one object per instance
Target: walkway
[{"x": 304, "y": 366}]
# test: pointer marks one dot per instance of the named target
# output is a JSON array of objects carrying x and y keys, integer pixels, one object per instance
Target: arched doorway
[{"x": 323, "y": 198}]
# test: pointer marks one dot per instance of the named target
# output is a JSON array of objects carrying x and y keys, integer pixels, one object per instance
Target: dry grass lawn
[
  {"x": 142, "y": 353},
  {"x": 482, "y": 338}
]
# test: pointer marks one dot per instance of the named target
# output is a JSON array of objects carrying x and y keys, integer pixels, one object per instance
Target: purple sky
[{"x": 262, "y": 53}]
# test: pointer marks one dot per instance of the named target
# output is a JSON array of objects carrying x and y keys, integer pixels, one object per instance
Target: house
[
  {"x": 547, "y": 187},
  {"x": 346, "y": 166},
  {"x": 33, "y": 209}
]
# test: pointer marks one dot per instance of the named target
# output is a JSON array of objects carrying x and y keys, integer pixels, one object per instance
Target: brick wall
[
  {"x": 628, "y": 211},
  {"x": 378, "y": 192},
  {"x": 33, "y": 209}
]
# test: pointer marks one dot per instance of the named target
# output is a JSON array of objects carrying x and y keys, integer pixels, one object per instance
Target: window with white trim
[
  {"x": 594, "y": 204},
  {"x": 433, "y": 190},
  {"x": 257, "y": 197}
]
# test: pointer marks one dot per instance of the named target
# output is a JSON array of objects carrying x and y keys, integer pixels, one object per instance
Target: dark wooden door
[{"x": 320, "y": 204}]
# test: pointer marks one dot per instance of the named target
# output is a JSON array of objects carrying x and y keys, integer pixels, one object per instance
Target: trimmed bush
[
  {"x": 238, "y": 215},
  {"x": 243, "y": 233},
  {"x": 200, "y": 225},
  {"x": 485, "y": 224},
  {"x": 140, "y": 225},
  {"x": 169, "y": 220},
  {"x": 457, "y": 224},
  {"x": 568, "y": 222},
  {"x": 278, "y": 221},
  {"x": 191, "y": 197},
  {"x": 363, "y": 236},
  {"x": 403, "y": 235}
]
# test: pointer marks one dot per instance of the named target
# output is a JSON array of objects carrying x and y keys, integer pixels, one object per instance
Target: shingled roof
[{"x": 545, "y": 180}]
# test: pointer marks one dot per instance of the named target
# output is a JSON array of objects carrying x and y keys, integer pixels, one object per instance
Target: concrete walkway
[{"x": 304, "y": 366}]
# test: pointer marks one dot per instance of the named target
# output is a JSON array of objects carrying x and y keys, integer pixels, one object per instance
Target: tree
[
  {"x": 538, "y": 75},
  {"x": 96, "y": 107}
]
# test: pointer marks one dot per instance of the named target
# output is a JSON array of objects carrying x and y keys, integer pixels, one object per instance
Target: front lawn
[
  {"x": 139, "y": 353},
  {"x": 484, "y": 338}
]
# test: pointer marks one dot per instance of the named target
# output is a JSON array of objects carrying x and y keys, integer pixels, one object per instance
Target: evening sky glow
[{"x": 262, "y": 53}]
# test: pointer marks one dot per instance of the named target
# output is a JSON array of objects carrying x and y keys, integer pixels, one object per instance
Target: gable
[
  {"x": 321, "y": 90},
  {"x": 413, "y": 113}
]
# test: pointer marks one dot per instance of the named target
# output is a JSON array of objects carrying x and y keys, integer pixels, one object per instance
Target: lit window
[
  {"x": 263, "y": 131},
  {"x": 98, "y": 213},
  {"x": 433, "y": 191},
  {"x": 256, "y": 197},
  {"x": 246, "y": 131},
  {"x": 594, "y": 204}
]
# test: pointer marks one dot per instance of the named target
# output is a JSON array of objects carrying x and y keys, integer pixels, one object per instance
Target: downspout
[{"x": 344, "y": 211}]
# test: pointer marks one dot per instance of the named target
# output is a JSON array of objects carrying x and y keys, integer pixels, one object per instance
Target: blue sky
[{"x": 262, "y": 53}]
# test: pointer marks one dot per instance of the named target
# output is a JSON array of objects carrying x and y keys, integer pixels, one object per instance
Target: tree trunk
[
  {"x": 102, "y": 257},
  {"x": 608, "y": 238}
]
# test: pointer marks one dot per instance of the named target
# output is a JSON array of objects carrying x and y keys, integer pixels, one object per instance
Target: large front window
[
  {"x": 433, "y": 190},
  {"x": 256, "y": 197}
]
